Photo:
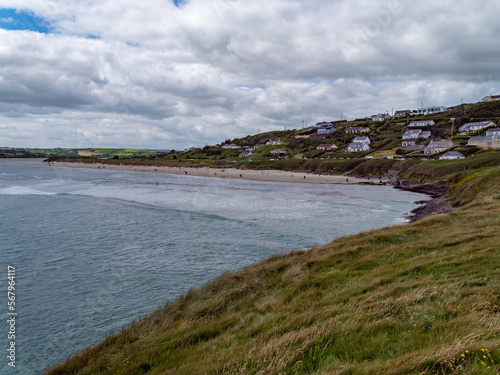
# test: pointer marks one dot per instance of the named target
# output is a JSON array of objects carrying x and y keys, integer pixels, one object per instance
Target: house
[
  {"x": 244, "y": 154},
  {"x": 412, "y": 134},
  {"x": 425, "y": 134},
  {"x": 422, "y": 123},
  {"x": 279, "y": 151},
  {"x": 430, "y": 110},
  {"x": 274, "y": 143},
  {"x": 451, "y": 155},
  {"x": 357, "y": 129},
  {"x": 361, "y": 140},
  {"x": 358, "y": 147},
  {"x": 471, "y": 127},
  {"x": 252, "y": 148},
  {"x": 326, "y": 147},
  {"x": 414, "y": 148},
  {"x": 493, "y": 131},
  {"x": 230, "y": 145},
  {"x": 490, "y": 98},
  {"x": 379, "y": 117},
  {"x": 402, "y": 114},
  {"x": 489, "y": 141},
  {"x": 438, "y": 146},
  {"x": 326, "y": 129}
]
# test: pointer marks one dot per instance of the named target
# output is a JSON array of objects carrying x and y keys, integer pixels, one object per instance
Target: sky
[{"x": 174, "y": 74}]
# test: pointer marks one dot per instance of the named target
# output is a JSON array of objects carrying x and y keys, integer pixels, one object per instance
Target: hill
[{"x": 422, "y": 298}]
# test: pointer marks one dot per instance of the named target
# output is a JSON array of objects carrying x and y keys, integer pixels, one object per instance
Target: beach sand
[{"x": 231, "y": 173}]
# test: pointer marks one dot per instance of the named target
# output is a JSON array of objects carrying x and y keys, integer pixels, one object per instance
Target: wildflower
[
  {"x": 484, "y": 356},
  {"x": 467, "y": 351},
  {"x": 463, "y": 355}
]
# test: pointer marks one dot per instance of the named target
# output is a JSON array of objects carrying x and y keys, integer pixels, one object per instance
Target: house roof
[
  {"x": 361, "y": 139},
  {"x": 454, "y": 154},
  {"x": 441, "y": 144},
  {"x": 421, "y": 122},
  {"x": 481, "y": 138},
  {"x": 475, "y": 124},
  {"x": 412, "y": 131}
]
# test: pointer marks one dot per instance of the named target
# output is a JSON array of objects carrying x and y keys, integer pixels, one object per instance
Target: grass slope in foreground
[{"x": 416, "y": 299}]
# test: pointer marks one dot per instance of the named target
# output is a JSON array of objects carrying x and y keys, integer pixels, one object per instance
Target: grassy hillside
[{"x": 416, "y": 299}]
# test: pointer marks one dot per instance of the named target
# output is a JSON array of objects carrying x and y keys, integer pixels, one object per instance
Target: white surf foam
[{"x": 22, "y": 190}]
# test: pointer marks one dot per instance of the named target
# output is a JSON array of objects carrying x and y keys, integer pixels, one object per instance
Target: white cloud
[{"x": 160, "y": 76}]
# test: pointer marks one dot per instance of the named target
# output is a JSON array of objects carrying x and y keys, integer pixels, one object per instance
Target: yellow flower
[
  {"x": 467, "y": 351},
  {"x": 484, "y": 356},
  {"x": 483, "y": 363},
  {"x": 463, "y": 355}
]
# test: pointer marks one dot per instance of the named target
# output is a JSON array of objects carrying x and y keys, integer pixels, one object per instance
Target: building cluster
[{"x": 416, "y": 137}]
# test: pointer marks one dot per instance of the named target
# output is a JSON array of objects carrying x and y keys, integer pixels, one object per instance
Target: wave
[{"x": 22, "y": 190}]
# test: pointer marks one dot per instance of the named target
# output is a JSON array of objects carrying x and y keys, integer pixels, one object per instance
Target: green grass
[{"x": 421, "y": 298}]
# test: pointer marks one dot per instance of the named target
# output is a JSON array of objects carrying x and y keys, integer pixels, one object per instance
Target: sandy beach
[{"x": 231, "y": 173}]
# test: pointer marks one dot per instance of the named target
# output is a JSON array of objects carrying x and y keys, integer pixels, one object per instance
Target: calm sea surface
[{"x": 94, "y": 249}]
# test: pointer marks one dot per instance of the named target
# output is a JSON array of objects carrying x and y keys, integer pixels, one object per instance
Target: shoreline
[
  {"x": 435, "y": 205},
  {"x": 229, "y": 173}
]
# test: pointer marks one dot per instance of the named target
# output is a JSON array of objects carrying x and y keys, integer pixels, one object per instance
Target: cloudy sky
[{"x": 169, "y": 74}]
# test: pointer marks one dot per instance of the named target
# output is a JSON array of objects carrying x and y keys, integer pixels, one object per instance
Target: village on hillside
[{"x": 428, "y": 133}]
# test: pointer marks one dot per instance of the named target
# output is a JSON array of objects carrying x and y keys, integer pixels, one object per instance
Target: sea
[{"x": 92, "y": 250}]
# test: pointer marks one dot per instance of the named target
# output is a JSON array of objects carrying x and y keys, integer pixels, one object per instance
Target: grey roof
[
  {"x": 481, "y": 139},
  {"x": 361, "y": 139},
  {"x": 413, "y": 131},
  {"x": 441, "y": 144},
  {"x": 454, "y": 153}
]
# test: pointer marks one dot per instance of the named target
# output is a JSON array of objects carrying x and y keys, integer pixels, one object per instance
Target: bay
[{"x": 95, "y": 249}]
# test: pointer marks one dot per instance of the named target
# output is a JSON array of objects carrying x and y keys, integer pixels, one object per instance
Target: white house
[
  {"x": 358, "y": 147},
  {"x": 422, "y": 123},
  {"x": 231, "y": 145},
  {"x": 379, "y": 117},
  {"x": 412, "y": 134},
  {"x": 471, "y": 127},
  {"x": 274, "y": 143},
  {"x": 357, "y": 129},
  {"x": 489, "y": 98},
  {"x": 244, "y": 154},
  {"x": 493, "y": 131},
  {"x": 450, "y": 155},
  {"x": 430, "y": 110}
]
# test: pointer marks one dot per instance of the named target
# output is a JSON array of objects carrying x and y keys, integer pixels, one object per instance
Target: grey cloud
[{"x": 215, "y": 69}]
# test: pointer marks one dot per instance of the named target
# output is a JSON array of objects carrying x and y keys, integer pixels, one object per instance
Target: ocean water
[{"x": 95, "y": 249}]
